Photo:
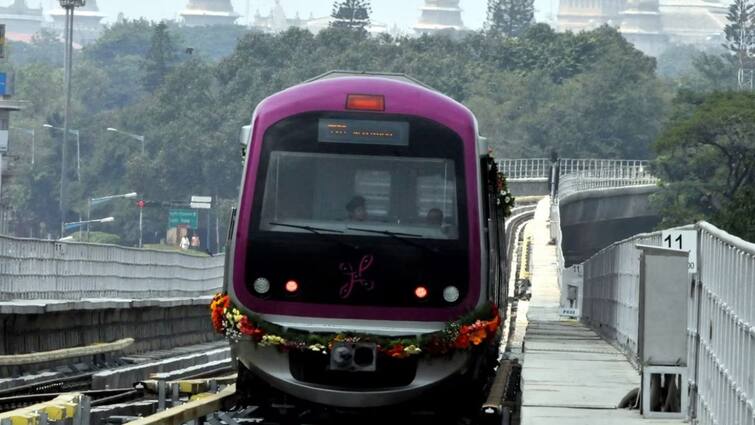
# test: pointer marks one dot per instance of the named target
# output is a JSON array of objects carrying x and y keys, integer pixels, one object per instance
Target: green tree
[
  {"x": 706, "y": 159},
  {"x": 160, "y": 57},
  {"x": 351, "y": 14},
  {"x": 510, "y": 17},
  {"x": 740, "y": 39}
]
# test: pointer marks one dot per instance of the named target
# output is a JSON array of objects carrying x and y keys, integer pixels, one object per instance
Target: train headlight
[
  {"x": 261, "y": 285},
  {"x": 451, "y": 294}
]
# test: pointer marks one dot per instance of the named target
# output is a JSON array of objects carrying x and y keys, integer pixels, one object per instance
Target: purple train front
[{"x": 364, "y": 263}]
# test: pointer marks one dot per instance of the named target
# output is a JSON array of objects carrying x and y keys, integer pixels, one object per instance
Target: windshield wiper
[
  {"x": 403, "y": 237},
  {"x": 319, "y": 232}
]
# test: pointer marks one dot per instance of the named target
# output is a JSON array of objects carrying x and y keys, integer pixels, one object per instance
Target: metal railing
[
  {"x": 720, "y": 323},
  {"x": 534, "y": 168},
  {"x": 603, "y": 167},
  {"x": 725, "y": 363},
  {"x": 525, "y": 168},
  {"x": 44, "y": 269},
  {"x": 614, "y": 175},
  {"x": 611, "y": 291}
]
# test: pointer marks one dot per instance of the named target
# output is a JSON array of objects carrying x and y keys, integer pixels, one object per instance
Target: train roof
[{"x": 389, "y": 75}]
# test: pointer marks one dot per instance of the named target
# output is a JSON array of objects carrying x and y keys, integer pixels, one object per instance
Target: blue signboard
[{"x": 3, "y": 80}]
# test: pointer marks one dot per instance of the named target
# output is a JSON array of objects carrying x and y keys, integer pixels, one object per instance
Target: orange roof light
[{"x": 365, "y": 102}]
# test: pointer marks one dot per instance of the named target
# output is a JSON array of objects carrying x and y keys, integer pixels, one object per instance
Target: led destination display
[{"x": 364, "y": 132}]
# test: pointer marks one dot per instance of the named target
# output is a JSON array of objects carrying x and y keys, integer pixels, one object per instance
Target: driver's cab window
[{"x": 353, "y": 194}]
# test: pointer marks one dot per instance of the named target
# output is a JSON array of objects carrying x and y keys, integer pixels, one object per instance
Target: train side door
[{"x": 493, "y": 223}]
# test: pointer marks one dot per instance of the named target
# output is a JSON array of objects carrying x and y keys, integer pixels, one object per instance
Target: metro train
[{"x": 365, "y": 259}]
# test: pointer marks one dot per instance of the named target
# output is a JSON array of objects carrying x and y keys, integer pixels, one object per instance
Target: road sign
[
  {"x": 684, "y": 240},
  {"x": 3, "y": 83},
  {"x": 200, "y": 206},
  {"x": 180, "y": 216},
  {"x": 202, "y": 199}
]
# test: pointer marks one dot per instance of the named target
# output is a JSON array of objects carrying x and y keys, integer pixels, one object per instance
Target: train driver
[{"x": 357, "y": 208}]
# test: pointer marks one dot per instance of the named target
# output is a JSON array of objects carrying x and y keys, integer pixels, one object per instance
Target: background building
[
  {"x": 21, "y": 21},
  {"x": 652, "y": 25},
  {"x": 440, "y": 16},
  {"x": 87, "y": 24},
  {"x": 209, "y": 12}
]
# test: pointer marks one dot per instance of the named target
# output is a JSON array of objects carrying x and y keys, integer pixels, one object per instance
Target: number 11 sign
[{"x": 684, "y": 240}]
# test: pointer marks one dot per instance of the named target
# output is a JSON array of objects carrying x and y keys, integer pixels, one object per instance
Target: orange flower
[
  {"x": 217, "y": 320},
  {"x": 478, "y": 336},
  {"x": 494, "y": 324}
]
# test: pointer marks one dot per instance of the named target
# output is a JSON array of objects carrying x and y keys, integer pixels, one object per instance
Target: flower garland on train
[
  {"x": 474, "y": 329},
  {"x": 504, "y": 198}
]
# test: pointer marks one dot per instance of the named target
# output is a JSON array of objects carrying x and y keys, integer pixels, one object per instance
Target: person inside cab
[
  {"x": 434, "y": 217},
  {"x": 357, "y": 209}
]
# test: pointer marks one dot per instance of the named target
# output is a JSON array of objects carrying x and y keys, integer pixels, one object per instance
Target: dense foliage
[
  {"x": 706, "y": 158},
  {"x": 586, "y": 95}
]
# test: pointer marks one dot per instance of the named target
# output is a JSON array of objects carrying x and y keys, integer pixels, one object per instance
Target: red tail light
[
  {"x": 421, "y": 292},
  {"x": 365, "y": 102},
  {"x": 292, "y": 286}
]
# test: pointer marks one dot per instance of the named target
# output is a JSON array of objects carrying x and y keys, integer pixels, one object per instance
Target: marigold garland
[{"x": 471, "y": 330}]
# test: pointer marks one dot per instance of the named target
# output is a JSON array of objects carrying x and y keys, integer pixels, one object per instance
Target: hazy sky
[{"x": 402, "y": 12}]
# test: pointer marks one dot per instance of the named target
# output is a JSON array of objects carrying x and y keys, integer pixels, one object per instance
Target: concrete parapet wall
[
  {"x": 43, "y": 269},
  {"x": 153, "y": 327},
  {"x": 594, "y": 219},
  {"x": 529, "y": 187}
]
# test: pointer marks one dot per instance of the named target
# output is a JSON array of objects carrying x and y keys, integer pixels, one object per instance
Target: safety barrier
[
  {"x": 525, "y": 168},
  {"x": 44, "y": 269},
  {"x": 725, "y": 329},
  {"x": 721, "y": 319},
  {"x": 540, "y": 168},
  {"x": 611, "y": 291},
  {"x": 604, "y": 167}
]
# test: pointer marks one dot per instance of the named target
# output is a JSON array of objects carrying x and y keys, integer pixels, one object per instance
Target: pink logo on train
[{"x": 356, "y": 277}]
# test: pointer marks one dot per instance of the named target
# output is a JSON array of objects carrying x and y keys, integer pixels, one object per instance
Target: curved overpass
[
  {"x": 598, "y": 201},
  {"x": 593, "y": 219}
]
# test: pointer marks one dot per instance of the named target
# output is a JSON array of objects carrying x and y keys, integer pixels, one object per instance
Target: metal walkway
[{"x": 570, "y": 375}]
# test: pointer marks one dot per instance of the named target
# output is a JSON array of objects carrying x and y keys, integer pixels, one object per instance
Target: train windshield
[{"x": 360, "y": 195}]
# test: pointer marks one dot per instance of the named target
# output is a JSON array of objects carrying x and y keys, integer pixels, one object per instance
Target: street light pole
[
  {"x": 87, "y": 222},
  {"x": 78, "y": 154},
  {"x": 69, "y": 6},
  {"x": 95, "y": 201},
  {"x": 131, "y": 135}
]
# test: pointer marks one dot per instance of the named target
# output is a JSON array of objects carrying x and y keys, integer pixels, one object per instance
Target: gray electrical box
[{"x": 664, "y": 293}]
